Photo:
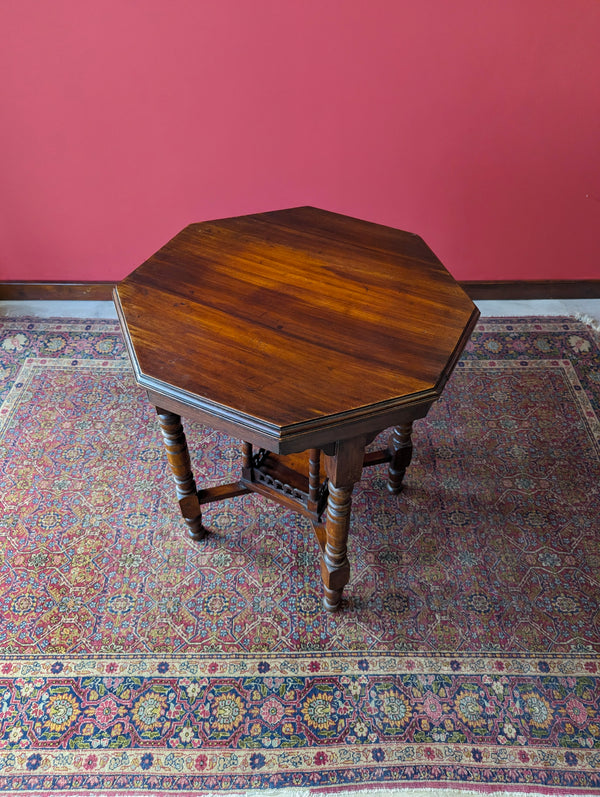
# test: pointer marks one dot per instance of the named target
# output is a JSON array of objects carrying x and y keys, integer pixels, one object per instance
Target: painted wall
[{"x": 475, "y": 123}]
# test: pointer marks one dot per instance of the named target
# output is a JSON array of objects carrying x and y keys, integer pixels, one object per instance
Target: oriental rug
[{"x": 136, "y": 661}]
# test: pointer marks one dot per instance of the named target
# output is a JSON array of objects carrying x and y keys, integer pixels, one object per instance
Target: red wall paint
[{"x": 475, "y": 124}]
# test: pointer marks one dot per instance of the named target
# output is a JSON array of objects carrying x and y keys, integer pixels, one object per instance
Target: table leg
[
  {"x": 400, "y": 447},
  {"x": 181, "y": 467},
  {"x": 344, "y": 468}
]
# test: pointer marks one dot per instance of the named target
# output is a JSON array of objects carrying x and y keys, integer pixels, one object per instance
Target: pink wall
[{"x": 474, "y": 123}]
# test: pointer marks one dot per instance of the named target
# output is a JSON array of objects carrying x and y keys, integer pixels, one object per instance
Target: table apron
[{"x": 324, "y": 437}]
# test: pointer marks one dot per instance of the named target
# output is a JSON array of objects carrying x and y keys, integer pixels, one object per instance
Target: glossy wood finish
[{"x": 296, "y": 331}]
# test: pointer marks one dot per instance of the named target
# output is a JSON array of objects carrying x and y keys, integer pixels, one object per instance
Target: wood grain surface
[{"x": 293, "y": 320}]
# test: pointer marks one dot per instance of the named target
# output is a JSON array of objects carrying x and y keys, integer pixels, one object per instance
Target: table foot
[
  {"x": 181, "y": 468},
  {"x": 195, "y": 529},
  {"x": 332, "y": 599},
  {"x": 401, "y": 449}
]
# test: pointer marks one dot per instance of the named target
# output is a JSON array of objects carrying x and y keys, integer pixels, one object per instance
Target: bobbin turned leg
[
  {"x": 181, "y": 467},
  {"x": 344, "y": 468},
  {"x": 400, "y": 447}
]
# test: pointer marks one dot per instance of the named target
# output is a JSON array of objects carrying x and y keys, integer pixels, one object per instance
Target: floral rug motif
[{"x": 466, "y": 654}]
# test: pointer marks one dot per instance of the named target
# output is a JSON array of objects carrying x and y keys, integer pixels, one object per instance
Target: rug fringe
[
  {"x": 362, "y": 791},
  {"x": 588, "y": 320},
  {"x": 411, "y": 791}
]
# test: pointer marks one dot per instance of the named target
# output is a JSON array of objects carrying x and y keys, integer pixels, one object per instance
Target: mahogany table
[{"x": 304, "y": 334}]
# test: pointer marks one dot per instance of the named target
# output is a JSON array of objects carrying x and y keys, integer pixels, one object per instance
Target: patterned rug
[{"x": 135, "y": 661}]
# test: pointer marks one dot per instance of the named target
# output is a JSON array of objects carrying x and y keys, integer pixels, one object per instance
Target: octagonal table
[{"x": 303, "y": 333}]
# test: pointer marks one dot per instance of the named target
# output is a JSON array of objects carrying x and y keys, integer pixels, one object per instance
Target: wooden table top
[{"x": 294, "y": 320}]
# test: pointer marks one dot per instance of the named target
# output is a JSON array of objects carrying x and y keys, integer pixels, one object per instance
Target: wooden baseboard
[
  {"x": 56, "y": 291},
  {"x": 496, "y": 290},
  {"x": 532, "y": 289}
]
